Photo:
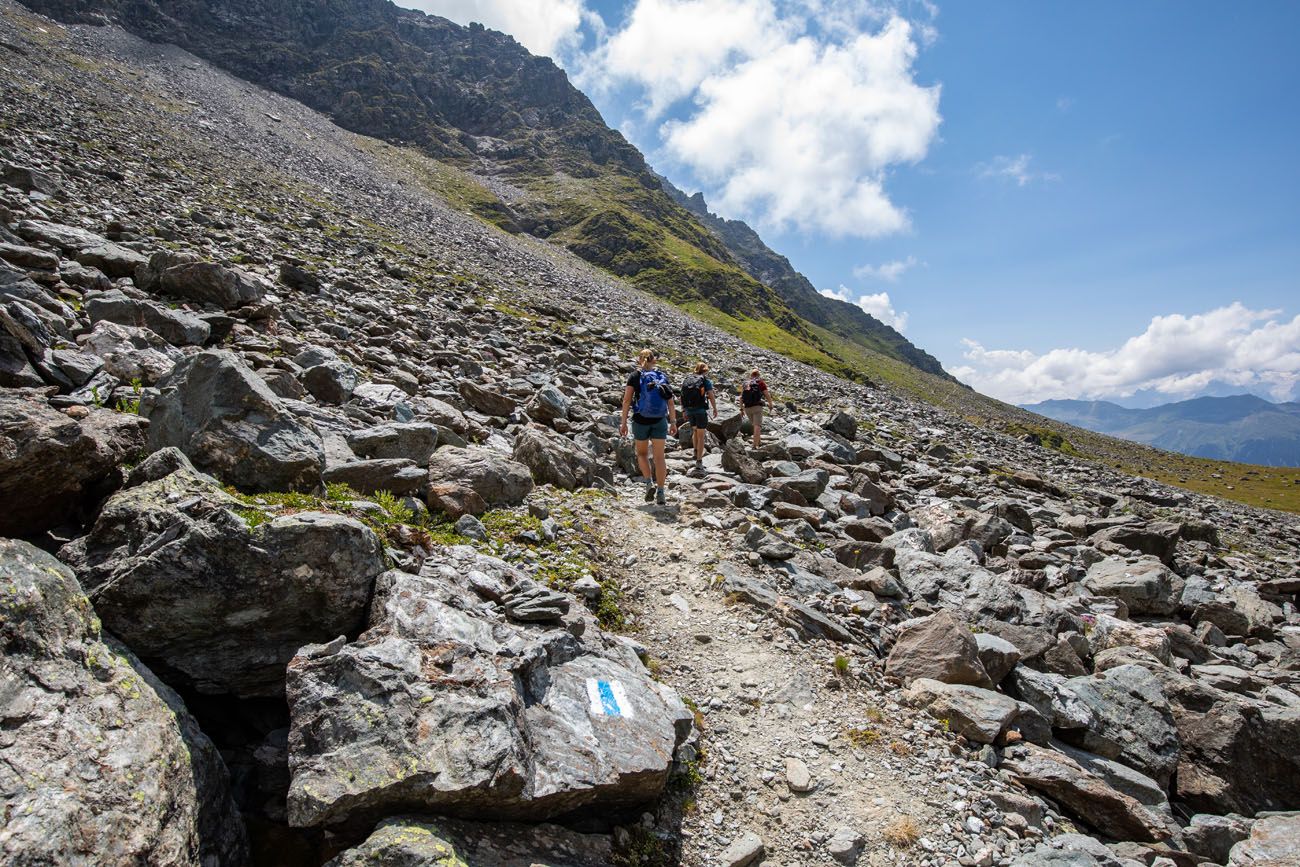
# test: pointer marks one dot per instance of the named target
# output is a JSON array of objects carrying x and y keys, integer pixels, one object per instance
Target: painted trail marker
[{"x": 608, "y": 698}]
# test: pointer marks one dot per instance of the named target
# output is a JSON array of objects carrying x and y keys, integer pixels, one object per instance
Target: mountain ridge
[
  {"x": 1244, "y": 428},
  {"x": 477, "y": 100}
]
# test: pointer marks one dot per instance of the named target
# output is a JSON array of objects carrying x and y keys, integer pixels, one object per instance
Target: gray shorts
[{"x": 754, "y": 414}]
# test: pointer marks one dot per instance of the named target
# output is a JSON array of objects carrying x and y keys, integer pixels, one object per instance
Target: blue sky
[{"x": 1055, "y": 199}]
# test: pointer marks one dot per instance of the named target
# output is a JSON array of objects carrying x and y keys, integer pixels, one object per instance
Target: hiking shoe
[
  {"x": 699, "y": 465},
  {"x": 649, "y": 492},
  {"x": 660, "y": 499}
]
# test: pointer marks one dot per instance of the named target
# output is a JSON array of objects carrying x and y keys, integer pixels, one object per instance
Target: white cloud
[
  {"x": 1016, "y": 169},
  {"x": 669, "y": 47},
  {"x": 802, "y": 135},
  {"x": 1176, "y": 355},
  {"x": 889, "y": 271},
  {"x": 878, "y": 305},
  {"x": 545, "y": 27}
]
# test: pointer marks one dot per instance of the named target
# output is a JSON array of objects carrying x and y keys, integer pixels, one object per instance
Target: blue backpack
[{"x": 652, "y": 400}]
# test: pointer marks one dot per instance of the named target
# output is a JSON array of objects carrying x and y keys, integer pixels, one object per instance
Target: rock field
[{"x": 321, "y": 546}]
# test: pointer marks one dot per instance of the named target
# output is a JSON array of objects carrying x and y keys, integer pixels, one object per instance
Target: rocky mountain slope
[
  {"x": 844, "y": 320},
  {"x": 321, "y": 547},
  {"x": 519, "y": 146},
  {"x": 1241, "y": 428}
]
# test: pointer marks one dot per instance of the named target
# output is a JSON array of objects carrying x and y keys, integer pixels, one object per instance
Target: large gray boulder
[
  {"x": 184, "y": 275},
  {"x": 474, "y": 479},
  {"x": 103, "y": 763},
  {"x": 57, "y": 467},
  {"x": 1052, "y": 697},
  {"x": 419, "y": 841},
  {"x": 174, "y": 568},
  {"x": 445, "y": 705},
  {"x": 548, "y": 405},
  {"x": 979, "y": 714},
  {"x": 394, "y": 475},
  {"x": 84, "y": 246},
  {"x": 175, "y": 326},
  {"x": 940, "y": 647},
  {"x": 557, "y": 460},
  {"x": 1084, "y": 794},
  {"x": 413, "y": 441},
  {"x": 1133, "y": 720},
  {"x": 1146, "y": 586},
  {"x": 229, "y": 423},
  {"x": 131, "y": 353}
]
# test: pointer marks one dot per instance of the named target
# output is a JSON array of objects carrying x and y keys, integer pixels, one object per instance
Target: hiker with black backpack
[
  {"x": 752, "y": 397},
  {"x": 697, "y": 396},
  {"x": 654, "y": 418}
]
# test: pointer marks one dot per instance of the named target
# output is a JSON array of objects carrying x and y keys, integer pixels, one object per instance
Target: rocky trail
[{"x": 319, "y": 545}]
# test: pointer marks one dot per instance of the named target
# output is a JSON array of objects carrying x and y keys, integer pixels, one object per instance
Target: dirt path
[{"x": 877, "y": 770}]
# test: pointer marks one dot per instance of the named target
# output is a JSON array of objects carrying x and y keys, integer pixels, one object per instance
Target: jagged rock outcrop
[
  {"x": 229, "y": 423},
  {"x": 447, "y": 704},
  {"x": 174, "y": 568},
  {"x": 54, "y": 468},
  {"x": 103, "y": 763}
]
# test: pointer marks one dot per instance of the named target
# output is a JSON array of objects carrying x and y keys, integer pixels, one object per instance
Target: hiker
[
  {"x": 654, "y": 419},
  {"x": 752, "y": 397},
  {"x": 697, "y": 397}
]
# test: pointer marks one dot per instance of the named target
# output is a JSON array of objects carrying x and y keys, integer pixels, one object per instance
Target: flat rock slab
[{"x": 417, "y": 841}]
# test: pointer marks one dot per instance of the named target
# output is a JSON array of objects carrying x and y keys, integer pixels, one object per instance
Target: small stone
[
  {"x": 797, "y": 775},
  {"x": 743, "y": 851}
]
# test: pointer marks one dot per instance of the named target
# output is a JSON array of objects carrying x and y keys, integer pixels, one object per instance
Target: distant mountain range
[{"x": 1240, "y": 428}]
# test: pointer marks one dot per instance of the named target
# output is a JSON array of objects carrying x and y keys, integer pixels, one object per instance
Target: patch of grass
[
  {"x": 841, "y": 664},
  {"x": 642, "y": 847},
  {"x": 875, "y": 714},
  {"x": 131, "y": 405},
  {"x": 902, "y": 833},
  {"x": 900, "y": 749},
  {"x": 862, "y": 737}
]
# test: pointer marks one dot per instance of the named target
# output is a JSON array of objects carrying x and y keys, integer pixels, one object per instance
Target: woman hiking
[
  {"x": 752, "y": 397},
  {"x": 654, "y": 419},
  {"x": 697, "y": 397}
]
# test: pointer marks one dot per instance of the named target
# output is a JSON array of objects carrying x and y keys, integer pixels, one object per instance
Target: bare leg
[
  {"x": 642, "y": 447},
  {"x": 699, "y": 443},
  {"x": 758, "y": 430},
  {"x": 660, "y": 464}
]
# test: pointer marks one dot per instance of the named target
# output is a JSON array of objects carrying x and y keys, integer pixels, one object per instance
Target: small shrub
[
  {"x": 875, "y": 714},
  {"x": 841, "y": 665},
  {"x": 862, "y": 737},
  {"x": 902, "y": 833},
  {"x": 899, "y": 748}
]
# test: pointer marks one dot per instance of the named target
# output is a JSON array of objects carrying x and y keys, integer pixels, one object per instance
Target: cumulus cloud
[
  {"x": 878, "y": 305},
  {"x": 1176, "y": 355},
  {"x": 803, "y": 134},
  {"x": 545, "y": 27},
  {"x": 1016, "y": 169},
  {"x": 889, "y": 271},
  {"x": 790, "y": 112}
]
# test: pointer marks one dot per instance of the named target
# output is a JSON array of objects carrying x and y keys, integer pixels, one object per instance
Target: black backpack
[
  {"x": 693, "y": 392},
  {"x": 752, "y": 394}
]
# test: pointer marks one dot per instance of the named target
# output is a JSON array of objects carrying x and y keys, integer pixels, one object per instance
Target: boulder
[
  {"x": 1052, "y": 697},
  {"x": 1213, "y": 836},
  {"x": 485, "y": 400},
  {"x": 175, "y": 326},
  {"x": 1274, "y": 841},
  {"x": 1133, "y": 720},
  {"x": 997, "y": 655},
  {"x": 394, "y": 475},
  {"x": 474, "y": 479},
  {"x": 331, "y": 381},
  {"x": 184, "y": 275},
  {"x": 84, "y": 246},
  {"x": 221, "y": 595},
  {"x": 56, "y": 467},
  {"x": 728, "y": 422},
  {"x": 414, "y": 441},
  {"x": 1237, "y": 756},
  {"x": 1084, "y": 794},
  {"x": 229, "y": 423},
  {"x": 1159, "y": 539},
  {"x": 1146, "y": 586},
  {"x": 131, "y": 353},
  {"x": 843, "y": 424},
  {"x": 420, "y": 841},
  {"x": 557, "y": 460},
  {"x": 977, "y": 714},
  {"x": 103, "y": 763},
  {"x": 443, "y": 705},
  {"x": 939, "y": 647},
  {"x": 548, "y": 405}
]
